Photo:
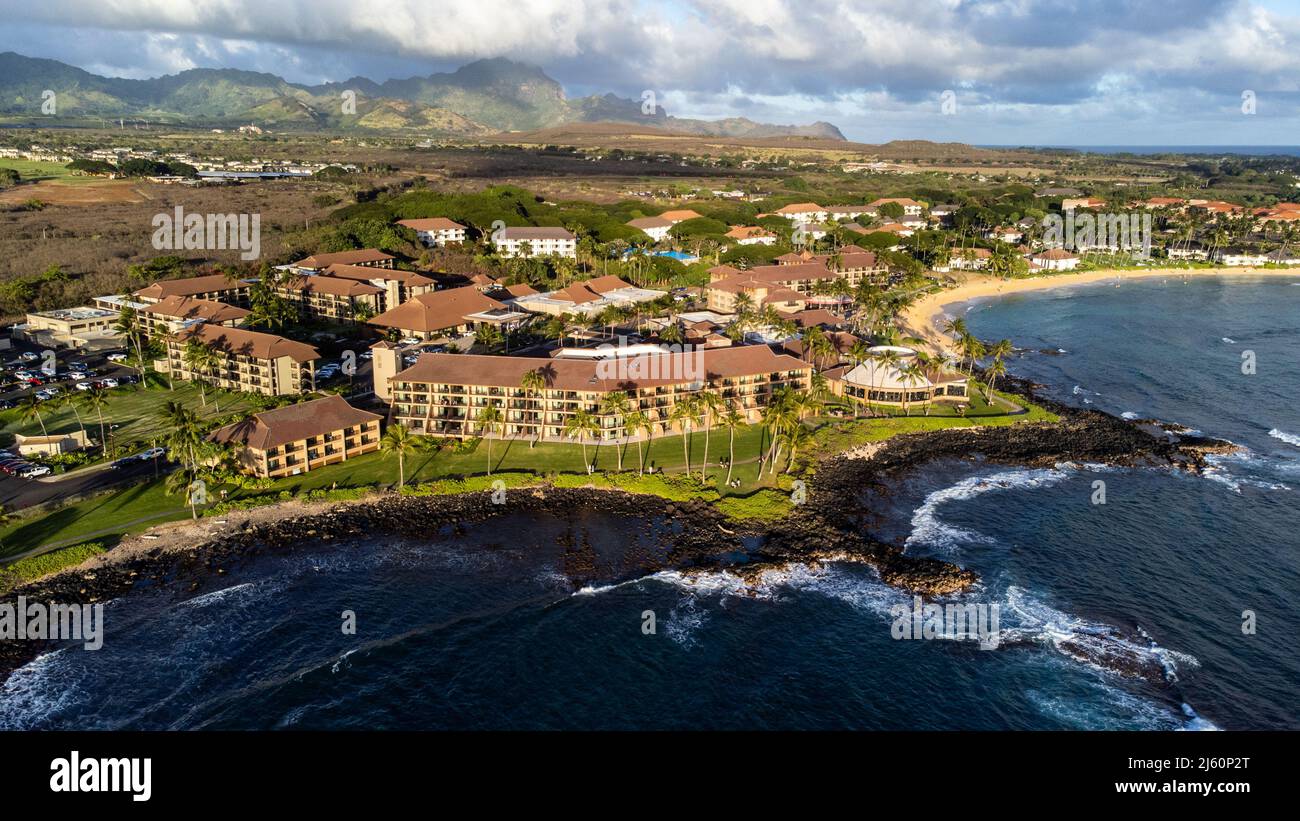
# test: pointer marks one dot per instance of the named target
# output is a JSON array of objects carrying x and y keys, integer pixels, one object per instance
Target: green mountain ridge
[{"x": 477, "y": 99}]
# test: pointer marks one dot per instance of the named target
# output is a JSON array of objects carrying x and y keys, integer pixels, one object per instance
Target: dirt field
[{"x": 61, "y": 192}]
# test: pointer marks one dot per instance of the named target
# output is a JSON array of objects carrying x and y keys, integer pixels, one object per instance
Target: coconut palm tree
[
  {"x": 709, "y": 404},
  {"x": 533, "y": 383},
  {"x": 633, "y": 423},
  {"x": 490, "y": 421},
  {"x": 200, "y": 360},
  {"x": 183, "y": 434},
  {"x": 96, "y": 399},
  {"x": 581, "y": 425},
  {"x": 616, "y": 404},
  {"x": 685, "y": 414},
  {"x": 731, "y": 419},
  {"x": 68, "y": 400},
  {"x": 31, "y": 409},
  {"x": 400, "y": 442},
  {"x": 997, "y": 368}
]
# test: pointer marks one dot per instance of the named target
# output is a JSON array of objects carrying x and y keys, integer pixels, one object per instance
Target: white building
[
  {"x": 1054, "y": 259},
  {"x": 655, "y": 227},
  {"x": 535, "y": 242},
  {"x": 751, "y": 235},
  {"x": 436, "y": 231}
]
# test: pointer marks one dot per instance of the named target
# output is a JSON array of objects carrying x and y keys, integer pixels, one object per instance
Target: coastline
[{"x": 922, "y": 319}]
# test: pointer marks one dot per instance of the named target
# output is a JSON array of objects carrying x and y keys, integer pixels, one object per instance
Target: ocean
[
  {"x": 1123, "y": 615},
  {"x": 1207, "y": 150}
]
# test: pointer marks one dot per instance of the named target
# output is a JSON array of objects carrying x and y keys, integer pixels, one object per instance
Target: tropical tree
[
  {"x": 709, "y": 404},
  {"x": 183, "y": 434},
  {"x": 69, "y": 401},
  {"x": 31, "y": 409},
  {"x": 685, "y": 414},
  {"x": 581, "y": 424},
  {"x": 200, "y": 360},
  {"x": 533, "y": 383},
  {"x": 96, "y": 399},
  {"x": 616, "y": 404},
  {"x": 731, "y": 418},
  {"x": 399, "y": 441},
  {"x": 633, "y": 423},
  {"x": 490, "y": 421}
]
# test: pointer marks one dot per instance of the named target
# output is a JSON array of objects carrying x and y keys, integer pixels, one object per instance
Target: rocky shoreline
[{"x": 826, "y": 527}]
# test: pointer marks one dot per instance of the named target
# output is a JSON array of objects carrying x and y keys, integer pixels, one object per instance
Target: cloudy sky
[{"x": 1020, "y": 72}]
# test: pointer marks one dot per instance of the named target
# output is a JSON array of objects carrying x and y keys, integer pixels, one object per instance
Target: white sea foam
[
  {"x": 1129, "y": 415},
  {"x": 929, "y": 530},
  {"x": 1229, "y": 341},
  {"x": 1289, "y": 438}
]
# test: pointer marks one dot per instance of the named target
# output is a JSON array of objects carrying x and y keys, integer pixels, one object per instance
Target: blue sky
[{"x": 1020, "y": 71}]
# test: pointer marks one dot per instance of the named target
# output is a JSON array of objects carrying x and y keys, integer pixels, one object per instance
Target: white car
[
  {"x": 82, "y": 386},
  {"x": 32, "y": 473},
  {"x": 28, "y": 356},
  {"x": 109, "y": 383},
  {"x": 43, "y": 395},
  {"x": 410, "y": 340},
  {"x": 151, "y": 453},
  {"x": 116, "y": 357}
]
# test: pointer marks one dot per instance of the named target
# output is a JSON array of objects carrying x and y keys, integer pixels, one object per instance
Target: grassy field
[
  {"x": 130, "y": 416},
  {"x": 137, "y": 508},
  {"x": 34, "y": 171}
]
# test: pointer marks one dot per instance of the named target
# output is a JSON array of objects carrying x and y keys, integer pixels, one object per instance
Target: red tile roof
[{"x": 293, "y": 423}]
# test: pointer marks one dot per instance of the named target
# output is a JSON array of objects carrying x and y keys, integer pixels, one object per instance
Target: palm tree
[
  {"x": 533, "y": 383},
  {"x": 997, "y": 368},
  {"x": 97, "y": 399},
  {"x": 912, "y": 376},
  {"x": 795, "y": 438},
  {"x": 633, "y": 423},
  {"x": 617, "y": 404},
  {"x": 68, "y": 400},
  {"x": 685, "y": 413},
  {"x": 199, "y": 359},
  {"x": 399, "y": 441},
  {"x": 731, "y": 419},
  {"x": 490, "y": 420},
  {"x": 581, "y": 425},
  {"x": 709, "y": 405},
  {"x": 31, "y": 409},
  {"x": 184, "y": 438}
]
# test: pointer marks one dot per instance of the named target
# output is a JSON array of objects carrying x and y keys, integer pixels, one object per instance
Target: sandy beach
[{"x": 924, "y": 317}]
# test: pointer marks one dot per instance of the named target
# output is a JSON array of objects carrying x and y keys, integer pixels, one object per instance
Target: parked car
[
  {"x": 28, "y": 356},
  {"x": 5, "y": 404},
  {"x": 34, "y": 471},
  {"x": 152, "y": 453},
  {"x": 109, "y": 382},
  {"x": 45, "y": 394},
  {"x": 116, "y": 356},
  {"x": 83, "y": 386},
  {"x": 410, "y": 340}
]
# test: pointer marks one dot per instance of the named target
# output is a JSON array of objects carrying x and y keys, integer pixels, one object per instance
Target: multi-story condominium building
[
  {"x": 791, "y": 283},
  {"x": 365, "y": 257},
  {"x": 398, "y": 286},
  {"x": 246, "y": 360},
  {"x": 535, "y": 242},
  {"x": 214, "y": 287},
  {"x": 455, "y": 310},
  {"x": 173, "y": 314},
  {"x": 329, "y": 298},
  {"x": 436, "y": 231},
  {"x": 300, "y": 438},
  {"x": 443, "y": 395}
]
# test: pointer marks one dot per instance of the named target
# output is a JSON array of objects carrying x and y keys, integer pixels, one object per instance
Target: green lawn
[
  {"x": 131, "y": 416},
  {"x": 137, "y": 508},
  {"x": 34, "y": 170}
]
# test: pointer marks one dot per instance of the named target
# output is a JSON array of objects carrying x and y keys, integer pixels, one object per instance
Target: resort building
[
  {"x": 535, "y": 242},
  {"x": 587, "y": 298},
  {"x": 802, "y": 212},
  {"x": 245, "y": 360},
  {"x": 911, "y": 207},
  {"x": 681, "y": 215},
  {"x": 751, "y": 235},
  {"x": 443, "y": 395},
  {"x": 365, "y": 257},
  {"x": 300, "y": 438},
  {"x": 970, "y": 259},
  {"x": 1071, "y": 203},
  {"x": 69, "y": 327},
  {"x": 792, "y": 284},
  {"x": 439, "y": 313},
  {"x": 215, "y": 287},
  {"x": 1239, "y": 257},
  {"x": 397, "y": 285},
  {"x": 1054, "y": 259},
  {"x": 436, "y": 231},
  {"x": 331, "y": 299},
  {"x": 654, "y": 227},
  {"x": 173, "y": 314},
  {"x": 902, "y": 381}
]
